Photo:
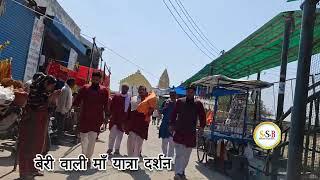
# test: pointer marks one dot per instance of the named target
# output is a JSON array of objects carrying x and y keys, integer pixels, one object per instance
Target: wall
[
  {"x": 16, "y": 26},
  {"x": 55, "y": 9}
]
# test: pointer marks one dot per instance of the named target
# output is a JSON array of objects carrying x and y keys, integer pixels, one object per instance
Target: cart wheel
[
  {"x": 209, "y": 155},
  {"x": 201, "y": 149},
  {"x": 209, "y": 159}
]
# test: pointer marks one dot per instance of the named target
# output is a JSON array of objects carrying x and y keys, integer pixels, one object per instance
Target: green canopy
[{"x": 261, "y": 50}]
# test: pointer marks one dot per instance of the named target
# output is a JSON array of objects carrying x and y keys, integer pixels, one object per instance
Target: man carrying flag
[{"x": 142, "y": 107}]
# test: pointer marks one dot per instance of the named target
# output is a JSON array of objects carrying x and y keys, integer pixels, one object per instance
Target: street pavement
[{"x": 151, "y": 148}]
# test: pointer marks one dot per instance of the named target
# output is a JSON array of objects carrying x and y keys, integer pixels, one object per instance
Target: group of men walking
[{"x": 177, "y": 129}]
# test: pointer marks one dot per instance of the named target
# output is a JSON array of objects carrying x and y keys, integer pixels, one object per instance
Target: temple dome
[
  {"x": 164, "y": 81},
  {"x": 134, "y": 81}
]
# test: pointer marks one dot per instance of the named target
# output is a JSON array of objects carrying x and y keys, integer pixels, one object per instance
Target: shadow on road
[
  {"x": 139, "y": 175},
  {"x": 75, "y": 175},
  {"x": 207, "y": 170},
  {"x": 7, "y": 161}
]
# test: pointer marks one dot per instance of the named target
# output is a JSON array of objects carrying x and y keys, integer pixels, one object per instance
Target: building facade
[
  {"x": 16, "y": 26},
  {"x": 36, "y": 40}
]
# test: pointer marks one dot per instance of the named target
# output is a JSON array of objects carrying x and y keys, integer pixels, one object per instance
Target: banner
[
  {"x": 58, "y": 71},
  {"x": 62, "y": 73},
  {"x": 34, "y": 49}
]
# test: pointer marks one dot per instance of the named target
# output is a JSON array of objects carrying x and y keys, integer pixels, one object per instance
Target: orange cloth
[
  {"x": 209, "y": 117},
  {"x": 148, "y": 103}
]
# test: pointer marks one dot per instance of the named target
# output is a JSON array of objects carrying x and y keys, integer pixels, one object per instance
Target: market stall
[{"x": 228, "y": 140}]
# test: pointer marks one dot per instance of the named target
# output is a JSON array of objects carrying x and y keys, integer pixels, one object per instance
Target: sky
[{"x": 145, "y": 32}]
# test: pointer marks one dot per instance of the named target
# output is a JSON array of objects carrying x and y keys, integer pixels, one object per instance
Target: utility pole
[
  {"x": 298, "y": 117},
  {"x": 101, "y": 58},
  {"x": 91, "y": 58},
  {"x": 257, "y": 106}
]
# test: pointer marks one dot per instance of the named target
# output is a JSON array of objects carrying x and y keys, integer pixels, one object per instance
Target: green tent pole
[{"x": 282, "y": 85}]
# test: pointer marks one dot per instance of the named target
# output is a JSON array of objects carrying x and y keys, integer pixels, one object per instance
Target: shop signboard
[
  {"x": 72, "y": 59},
  {"x": 34, "y": 49}
]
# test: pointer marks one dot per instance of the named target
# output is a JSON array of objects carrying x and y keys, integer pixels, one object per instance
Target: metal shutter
[{"x": 16, "y": 26}]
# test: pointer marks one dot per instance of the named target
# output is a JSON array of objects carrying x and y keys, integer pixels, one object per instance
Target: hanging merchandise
[
  {"x": 5, "y": 64},
  {"x": 5, "y": 69},
  {"x": 2, "y": 46},
  {"x": 6, "y": 95},
  {"x": 6, "y": 98}
]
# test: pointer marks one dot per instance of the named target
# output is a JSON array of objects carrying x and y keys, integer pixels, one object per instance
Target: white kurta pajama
[
  {"x": 115, "y": 138},
  {"x": 88, "y": 141},
  {"x": 184, "y": 121},
  {"x": 119, "y": 113},
  {"x": 182, "y": 158},
  {"x": 134, "y": 144},
  {"x": 93, "y": 102},
  {"x": 137, "y": 129}
]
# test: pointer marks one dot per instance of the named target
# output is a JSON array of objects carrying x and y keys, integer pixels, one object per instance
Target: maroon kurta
[
  {"x": 184, "y": 121},
  {"x": 32, "y": 134},
  {"x": 137, "y": 123},
  {"x": 118, "y": 116},
  {"x": 33, "y": 127},
  {"x": 94, "y": 102}
]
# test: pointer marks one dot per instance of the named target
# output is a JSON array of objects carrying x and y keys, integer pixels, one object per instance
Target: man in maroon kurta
[
  {"x": 119, "y": 113},
  {"x": 183, "y": 123},
  {"x": 94, "y": 103},
  {"x": 138, "y": 124}
]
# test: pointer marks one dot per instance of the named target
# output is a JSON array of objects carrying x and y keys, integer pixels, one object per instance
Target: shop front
[
  {"x": 16, "y": 27},
  {"x": 60, "y": 45}
]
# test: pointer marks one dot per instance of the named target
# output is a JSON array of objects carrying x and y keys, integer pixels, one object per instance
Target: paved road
[{"x": 151, "y": 148}]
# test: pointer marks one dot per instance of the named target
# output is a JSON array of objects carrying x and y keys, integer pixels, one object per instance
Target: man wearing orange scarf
[{"x": 142, "y": 107}]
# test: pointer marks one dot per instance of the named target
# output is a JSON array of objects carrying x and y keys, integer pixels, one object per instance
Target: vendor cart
[{"x": 225, "y": 140}]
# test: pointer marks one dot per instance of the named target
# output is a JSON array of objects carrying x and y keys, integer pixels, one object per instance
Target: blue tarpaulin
[
  {"x": 224, "y": 92},
  {"x": 180, "y": 90}
]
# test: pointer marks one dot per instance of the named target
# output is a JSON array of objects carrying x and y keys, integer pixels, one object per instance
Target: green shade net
[{"x": 261, "y": 50}]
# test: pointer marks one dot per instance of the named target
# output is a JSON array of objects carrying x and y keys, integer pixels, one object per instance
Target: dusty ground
[{"x": 152, "y": 147}]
